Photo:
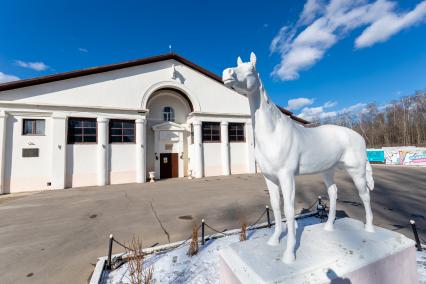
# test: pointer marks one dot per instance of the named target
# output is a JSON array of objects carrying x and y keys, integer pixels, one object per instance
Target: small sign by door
[{"x": 165, "y": 160}]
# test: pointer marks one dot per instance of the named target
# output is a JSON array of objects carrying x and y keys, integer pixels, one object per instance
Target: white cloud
[
  {"x": 382, "y": 29},
  {"x": 355, "y": 107},
  {"x": 310, "y": 11},
  {"x": 81, "y": 49},
  {"x": 38, "y": 66},
  {"x": 298, "y": 103},
  {"x": 315, "y": 113},
  {"x": 4, "y": 78},
  {"x": 320, "y": 113},
  {"x": 321, "y": 25},
  {"x": 330, "y": 104}
]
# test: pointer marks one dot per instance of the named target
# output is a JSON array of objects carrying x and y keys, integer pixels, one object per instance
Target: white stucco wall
[
  {"x": 212, "y": 159},
  {"x": 29, "y": 173},
  {"x": 238, "y": 154},
  {"x": 122, "y": 163},
  {"x": 81, "y": 166}
]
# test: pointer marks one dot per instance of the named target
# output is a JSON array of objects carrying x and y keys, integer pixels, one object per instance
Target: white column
[
  {"x": 251, "y": 161},
  {"x": 157, "y": 154},
  {"x": 181, "y": 155},
  {"x": 226, "y": 170},
  {"x": 3, "y": 120},
  {"x": 140, "y": 150},
  {"x": 102, "y": 150},
  {"x": 198, "y": 166},
  {"x": 59, "y": 151}
]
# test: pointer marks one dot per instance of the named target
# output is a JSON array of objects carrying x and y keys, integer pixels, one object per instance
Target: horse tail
[{"x": 369, "y": 176}]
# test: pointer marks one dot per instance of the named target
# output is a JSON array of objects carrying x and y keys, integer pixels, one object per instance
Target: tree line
[{"x": 400, "y": 123}]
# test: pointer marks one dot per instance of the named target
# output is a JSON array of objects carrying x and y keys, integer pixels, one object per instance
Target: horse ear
[
  {"x": 253, "y": 59},
  {"x": 239, "y": 61}
]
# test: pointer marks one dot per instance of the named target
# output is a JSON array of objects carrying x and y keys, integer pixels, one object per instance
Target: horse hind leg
[
  {"x": 360, "y": 181},
  {"x": 328, "y": 178}
]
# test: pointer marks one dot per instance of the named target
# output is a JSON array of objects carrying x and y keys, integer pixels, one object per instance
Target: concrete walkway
[{"x": 56, "y": 236}]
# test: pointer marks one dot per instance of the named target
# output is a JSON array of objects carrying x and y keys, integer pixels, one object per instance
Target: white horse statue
[{"x": 284, "y": 149}]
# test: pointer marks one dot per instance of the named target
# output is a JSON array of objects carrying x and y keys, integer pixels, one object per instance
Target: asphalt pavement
[{"x": 56, "y": 236}]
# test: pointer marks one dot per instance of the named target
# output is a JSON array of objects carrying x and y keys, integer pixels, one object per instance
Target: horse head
[{"x": 243, "y": 78}]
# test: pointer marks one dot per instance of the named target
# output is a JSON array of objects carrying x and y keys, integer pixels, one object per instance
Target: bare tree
[{"x": 401, "y": 122}]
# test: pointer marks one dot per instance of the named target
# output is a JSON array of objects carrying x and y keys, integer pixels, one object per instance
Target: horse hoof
[
  {"x": 273, "y": 241},
  {"x": 288, "y": 258},
  {"x": 369, "y": 228},
  {"x": 329, "y": 227}
]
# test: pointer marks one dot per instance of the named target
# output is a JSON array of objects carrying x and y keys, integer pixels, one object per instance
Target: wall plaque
[{"x": 30, "y": 152}]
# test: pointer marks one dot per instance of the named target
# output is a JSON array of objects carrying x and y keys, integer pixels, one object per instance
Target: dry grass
[
  {"x": 243, "y": 232},
  {"x": 193, "y": 247},
  {"x": 135, "y": 261}
]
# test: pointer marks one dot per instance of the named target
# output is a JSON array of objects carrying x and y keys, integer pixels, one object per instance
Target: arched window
[{"x": 168, "y": 114}]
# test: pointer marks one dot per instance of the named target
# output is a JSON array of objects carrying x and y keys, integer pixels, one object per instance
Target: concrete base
[{"x": 349, "y": 254}]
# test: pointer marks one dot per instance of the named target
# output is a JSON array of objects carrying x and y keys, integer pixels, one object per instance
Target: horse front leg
[
  {"x": 288, "y": 189},
  {"x": 332, "y": 194},
  {"x": 274, "y": 195}
]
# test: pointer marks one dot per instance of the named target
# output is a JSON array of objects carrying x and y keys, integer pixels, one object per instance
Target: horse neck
[{"x": 261, "y": 105}]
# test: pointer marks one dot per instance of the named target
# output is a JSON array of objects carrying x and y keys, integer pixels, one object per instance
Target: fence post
[
  {"x": 109, "y": 264},
  {"x": 416, "y": 235},
  {"x": 202, "y": 232},
  {"x": 321, "y": 208},
  {"x": 267, "y": 216}
]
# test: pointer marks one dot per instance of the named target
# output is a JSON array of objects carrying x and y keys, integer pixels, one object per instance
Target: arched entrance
[{"x": 168, "y": 133}]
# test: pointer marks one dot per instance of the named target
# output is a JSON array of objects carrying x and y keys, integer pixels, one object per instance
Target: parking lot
[{"x": 56, "y": 236}]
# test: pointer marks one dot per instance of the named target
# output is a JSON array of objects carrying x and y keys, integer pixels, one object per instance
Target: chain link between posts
[{"x": 250, "y": 227}]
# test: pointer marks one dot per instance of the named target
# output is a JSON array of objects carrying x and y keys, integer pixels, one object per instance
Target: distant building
[{"x": 114, "y": 124}]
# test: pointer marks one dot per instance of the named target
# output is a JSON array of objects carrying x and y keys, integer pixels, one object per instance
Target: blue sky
[{"x": 347, "y": 59}]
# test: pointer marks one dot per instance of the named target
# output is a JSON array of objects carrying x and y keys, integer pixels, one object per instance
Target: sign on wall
[
  {"x": 29, "y": 152},
  {"x": 376, "y": 156}
]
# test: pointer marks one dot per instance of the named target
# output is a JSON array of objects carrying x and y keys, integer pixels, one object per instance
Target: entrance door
[{"x": 169, "y": 165}]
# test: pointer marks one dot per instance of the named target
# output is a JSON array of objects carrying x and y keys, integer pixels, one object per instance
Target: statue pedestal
[{"x": 349, "y": 254}]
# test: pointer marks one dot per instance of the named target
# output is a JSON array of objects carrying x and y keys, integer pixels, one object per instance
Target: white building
[{"x": 114, "y": 124}]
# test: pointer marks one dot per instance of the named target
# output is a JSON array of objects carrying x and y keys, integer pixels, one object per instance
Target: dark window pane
[
  {"x": 89, "y": 131},
  {"x": 39, "y": 123},
  {"x": 33, "y": 126},
  {"x": 121, "y": 131},
  {"x": 128, "y": 138},
  {"x": 128, "y": 132},
  {"x": 236, "y": 132},
  {"x": 89, "y": 138},
  {"x": 129, "y": 124},
  {"x": 81, "y": 130},
  {"x": 115, "y": 132},
  {"x": 28, "y": 126},
  {"x": 115, "y": 124},
  {"x": 75, "y": 123},
  {"x": 77, "y": 131},
  {"x": 89, "y": 123},
  {"x": 115, "y": 139},
  {"x": 77, "y": 138},
  {"x": 211, "y": 131}
]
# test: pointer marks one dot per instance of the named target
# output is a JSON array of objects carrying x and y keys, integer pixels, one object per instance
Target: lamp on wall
[
  {"x": 181, "y": 155},
  {"x": 156, "y": 157}
]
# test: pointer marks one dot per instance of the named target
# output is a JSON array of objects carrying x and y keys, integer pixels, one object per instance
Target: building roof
[{"x": 116, "y": 66}]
